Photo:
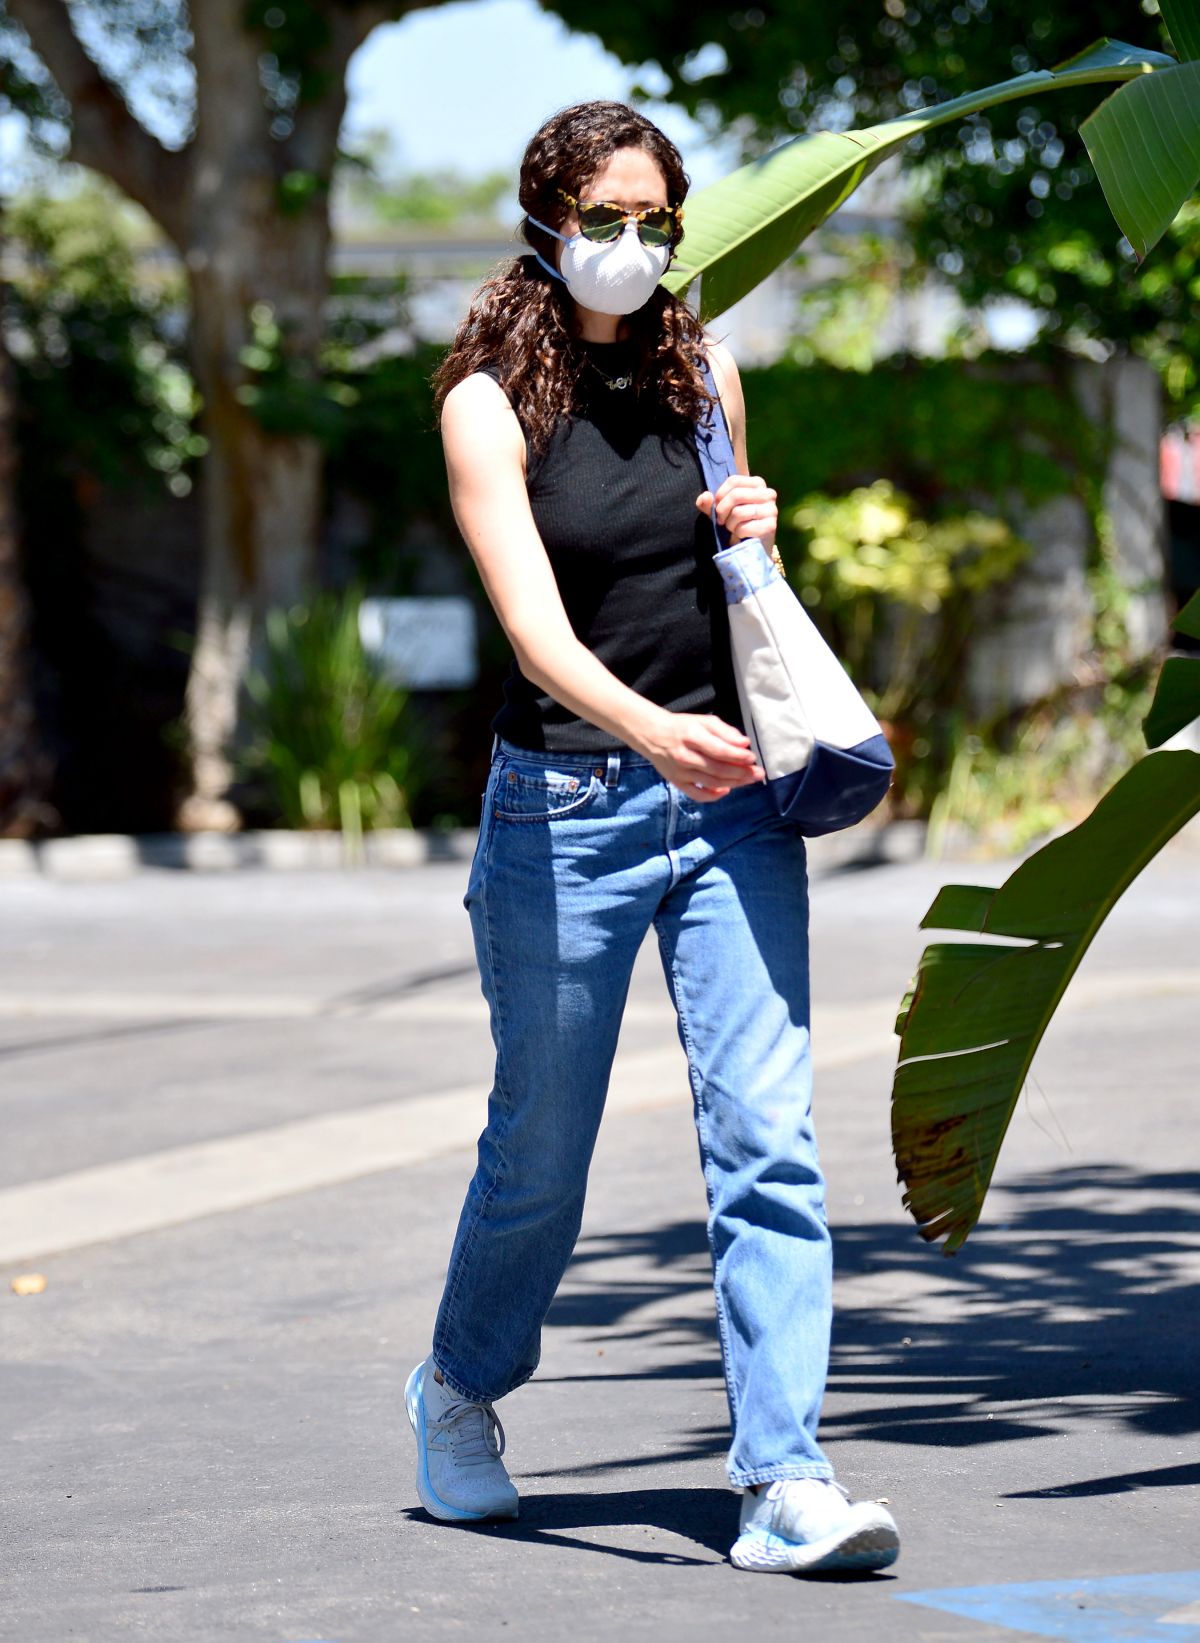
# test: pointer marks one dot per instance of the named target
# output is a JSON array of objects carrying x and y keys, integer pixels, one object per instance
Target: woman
[{"x": 624, "y": 794}]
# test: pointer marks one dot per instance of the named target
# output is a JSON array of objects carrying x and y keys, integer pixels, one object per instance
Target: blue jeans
[{"x": 578, "y": 855}]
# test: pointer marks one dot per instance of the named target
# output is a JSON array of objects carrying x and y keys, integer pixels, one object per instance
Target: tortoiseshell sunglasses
[{"x": 602, "y": 220}]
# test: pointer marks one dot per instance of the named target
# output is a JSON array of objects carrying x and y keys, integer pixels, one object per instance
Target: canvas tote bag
[{"x": 826, "y": 760}]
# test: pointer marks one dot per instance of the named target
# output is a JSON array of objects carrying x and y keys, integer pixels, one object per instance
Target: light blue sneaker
[
  {"x": 460, "y": 1476},
  {"x": 803, "y": 1525}
]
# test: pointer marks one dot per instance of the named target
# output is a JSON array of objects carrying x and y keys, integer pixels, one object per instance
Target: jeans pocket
[{"x": 534, "y": 790}]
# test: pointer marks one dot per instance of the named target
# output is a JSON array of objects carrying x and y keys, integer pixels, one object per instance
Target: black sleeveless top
[{"x": 613, "y": 496}]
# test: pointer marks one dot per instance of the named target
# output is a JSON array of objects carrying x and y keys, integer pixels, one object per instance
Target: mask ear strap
[
  {"x": 549, "y": 267},
  {"x": 546, "y": 229}
]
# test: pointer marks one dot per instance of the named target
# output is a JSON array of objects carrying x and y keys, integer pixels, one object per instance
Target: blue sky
[{"x": 465, "y": 85}]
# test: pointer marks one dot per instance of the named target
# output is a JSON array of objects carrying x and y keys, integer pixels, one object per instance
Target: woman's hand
[
  {"x": 745, "y": 505},
  {"x": 700, "y": 754}
]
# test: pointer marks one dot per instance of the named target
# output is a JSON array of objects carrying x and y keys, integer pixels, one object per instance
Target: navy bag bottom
[{"x": 837, "y": 787}]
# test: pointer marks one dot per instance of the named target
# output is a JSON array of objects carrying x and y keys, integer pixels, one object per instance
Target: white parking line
[{"x": 180, "y": 1184}]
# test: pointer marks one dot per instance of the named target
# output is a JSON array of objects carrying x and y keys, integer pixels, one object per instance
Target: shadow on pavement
[
  {"x": 1080, "y": 1308},
  {"x": 707, "y": 1517},
  {"x": 1165, "y": 1477}
]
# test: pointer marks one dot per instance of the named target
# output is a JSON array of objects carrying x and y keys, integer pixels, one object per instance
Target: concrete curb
[{"x": 120, "y": 855}]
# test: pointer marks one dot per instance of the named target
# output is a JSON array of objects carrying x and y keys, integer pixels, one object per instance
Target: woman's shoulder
[
  {"x": 477, "y": 403},
  {"x": 724, "y": 366},
  {"x": 482, "y": 387}
]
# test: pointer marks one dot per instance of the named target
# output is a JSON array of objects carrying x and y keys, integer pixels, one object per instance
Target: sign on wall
[{"x": 422, "y": 643}]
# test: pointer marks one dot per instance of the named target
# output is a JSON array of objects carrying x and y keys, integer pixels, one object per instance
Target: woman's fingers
[
  {"x": 707, "y": 757},
  {"x": 726, "y": 751},
  {"x": 742, "y": 488},
  {"x": 724, "y": 768},
  {"x": 746, "y": 512},
  {"x": 743, "y": 507}
]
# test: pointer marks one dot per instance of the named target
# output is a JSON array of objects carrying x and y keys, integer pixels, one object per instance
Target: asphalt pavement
[{"x": 238, "y": 1112}]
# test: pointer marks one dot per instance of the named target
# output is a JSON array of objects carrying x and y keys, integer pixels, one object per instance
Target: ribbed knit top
[{"x": 613, "y": 496}]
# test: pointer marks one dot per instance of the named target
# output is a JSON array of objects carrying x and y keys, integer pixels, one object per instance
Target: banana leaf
[
  {"x": 970, "y": 1026},
  {"x": 1144, "y": 142},
  {"x": 1176, "y": 700},
  {"x": 1177, "y": 696},
  {"x": 1182, "y": 18},
  {"x": 740, "y": 228}
]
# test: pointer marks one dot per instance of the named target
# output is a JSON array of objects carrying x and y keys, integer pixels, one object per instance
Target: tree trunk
[
  {"x": 25, "y": 768},
  {"x": 247, "y": 204},
  {"x": 261, "y": 488},
  {"x": 261, "y": 505}
]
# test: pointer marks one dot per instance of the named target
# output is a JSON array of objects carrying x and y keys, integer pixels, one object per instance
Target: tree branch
[{"x": 104, "y": 135}]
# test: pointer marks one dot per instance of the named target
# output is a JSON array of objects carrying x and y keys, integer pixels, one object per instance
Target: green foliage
[
  {"x": 434, "y": 199},
  {"x": 96, "y": 339},
  {"x": 1042, "y": 773},
  {"x": 287, "y": 396},
  {"x": 897, "y": 591},
  {"x": 1008, "y": 203},
  {"x": 960, "y": 450},
  {"x": 941, "y": 430},
  {"x": 1177, "y": 700},
  {"x": 840, "y": 313},
  {"x": 1182, "y": 19},
  {"x": 1145, "y": 145},
  {"x": 25, "y": 86},
  {"x": 296, "y": 35},
  {"x": 297, "y": 190},
  {"x": 144, "y": 46},
  {"x": 977, "y": 1012},
  {"x": 331, "y": 736},
  {"x": 369, "y": 405},
  {"x": 871, "y": 544},
  {"x": 740, "y": 228}
]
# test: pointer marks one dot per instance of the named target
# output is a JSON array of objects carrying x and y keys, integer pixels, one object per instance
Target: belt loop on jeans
[{"x": 614, "y": 769}]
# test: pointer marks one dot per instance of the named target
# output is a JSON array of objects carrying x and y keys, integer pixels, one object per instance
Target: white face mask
[{"x": 617, "y": 277}]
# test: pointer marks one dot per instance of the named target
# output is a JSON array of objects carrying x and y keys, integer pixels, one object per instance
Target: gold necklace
[{"x": 613, "y": 383}]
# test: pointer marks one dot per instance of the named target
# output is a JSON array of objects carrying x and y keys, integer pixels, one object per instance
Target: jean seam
[
  {"x": 469, "y": 1392},
  {"x": 781, "y": 1472},
  {"x": 696, "y": 1081},
  {"x": 450, "y": 1312}
]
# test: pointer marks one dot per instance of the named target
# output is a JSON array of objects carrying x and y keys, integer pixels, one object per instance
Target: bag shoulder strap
[{"x": 715, "y": 449}]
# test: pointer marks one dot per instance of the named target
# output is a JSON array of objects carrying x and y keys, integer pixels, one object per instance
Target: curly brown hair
[{"x": 523, "y": 321}]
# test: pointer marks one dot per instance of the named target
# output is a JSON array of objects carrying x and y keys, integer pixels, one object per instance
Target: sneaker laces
[{"x": 473, "y": 1433}]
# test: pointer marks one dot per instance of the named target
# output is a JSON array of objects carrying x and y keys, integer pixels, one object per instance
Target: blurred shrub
[
  {"x": 95, "y": 322},
  {"x": 107, "y": 451},
  {"x": 992, "y": 432},
  {"x": 905, "y": 488},
  {"x": 1044, "y": 772},
  {"x": 331, "y": 737},
  {"x": 878, "y": 573}
]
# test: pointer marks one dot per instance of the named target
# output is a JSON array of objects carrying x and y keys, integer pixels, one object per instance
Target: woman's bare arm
[{"x": 485, "y": 454}]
